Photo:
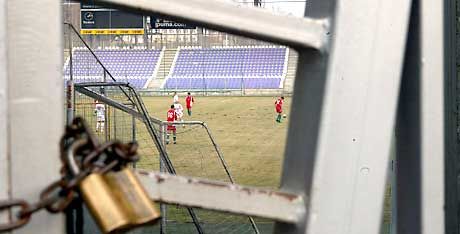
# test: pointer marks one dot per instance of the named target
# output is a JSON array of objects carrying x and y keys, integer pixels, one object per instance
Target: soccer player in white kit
[
  {"x": 179, "y": 111},
  {"x": 175, "y": 98},
  {"x": 99, "y": 110}
]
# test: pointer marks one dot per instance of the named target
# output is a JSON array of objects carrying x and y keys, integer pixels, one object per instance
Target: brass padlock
[
  {"x": 132, "y": 195},
  {"x": 117, "y": 200},
  {"x": 102, "y": 204},
  {"x": 98, "y": 196}
]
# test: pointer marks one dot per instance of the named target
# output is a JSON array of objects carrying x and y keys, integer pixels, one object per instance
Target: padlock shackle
[{"x": 71, "y": 151}]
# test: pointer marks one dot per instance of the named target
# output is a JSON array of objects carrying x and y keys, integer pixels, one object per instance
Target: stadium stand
[
  {"x": 137, "y": 66},
  {"x": 228, "y": 68}
]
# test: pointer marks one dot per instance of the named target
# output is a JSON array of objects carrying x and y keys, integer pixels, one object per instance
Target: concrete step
[
  {"x": 164, "y": 68},
  {"x": 291, "y": 71},
  {"x": 156, "y": 83}
]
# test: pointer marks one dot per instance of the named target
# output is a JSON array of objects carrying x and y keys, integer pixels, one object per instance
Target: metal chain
[{"x": 89, "y": 157}]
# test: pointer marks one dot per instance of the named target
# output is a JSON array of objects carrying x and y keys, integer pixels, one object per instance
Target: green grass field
[
  {"x": 251, "y": 141},
  {"x": 245, "y": 130}
]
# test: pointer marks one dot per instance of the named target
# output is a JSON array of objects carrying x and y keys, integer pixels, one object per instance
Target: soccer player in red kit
[
  {"x": 171, "y": 117},
  {"x": 189, "y": 102},
  {"x": 279, "y": 108}
]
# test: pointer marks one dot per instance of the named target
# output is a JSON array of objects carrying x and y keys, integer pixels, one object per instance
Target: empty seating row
[
  {"x": 223, "y": 68},
  {"x": 123, "y": 65},
  {"x": 222, "y": 83},
  {"x": 228, "y": 68}
]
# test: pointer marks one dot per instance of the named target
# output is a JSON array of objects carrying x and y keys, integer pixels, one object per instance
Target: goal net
[{"x": 196, "y": 154}]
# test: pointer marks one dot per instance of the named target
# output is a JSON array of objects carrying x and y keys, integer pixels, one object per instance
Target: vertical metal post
[
  {"x": 301, "y": 140},
  {"x": 74, "y": 212},
  {"x": 164, "y": 51},
  {"x": 4, "y": 157},
  {"x": 393, "y": 184},
  {"x": 106, "y": 111},
  {"x": 301, "y": 143},
  {"x": 452, "y": 163},
  {"x": 114, "y": 124},
  {"x": 107, "y": 122},
  {"x": 162, "y": 169},
  {"x": 70, "y": 85},
  {"x": 35, "y": 103},
  {"x": 69, "y": 101},
  {"x": 420, "y": 129},
  {"x": 333, "y": 153},
  {"x": 134, "y": 132},
  {"x": 145, "y": 39}
]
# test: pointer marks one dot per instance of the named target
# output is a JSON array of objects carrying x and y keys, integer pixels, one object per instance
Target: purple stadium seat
[
  {"x": 227, "y": 68},
  {"x": 120, "y": 63}
]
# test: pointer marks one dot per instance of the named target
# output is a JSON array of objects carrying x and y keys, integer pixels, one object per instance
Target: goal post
[{"x": 126, "y": 119}]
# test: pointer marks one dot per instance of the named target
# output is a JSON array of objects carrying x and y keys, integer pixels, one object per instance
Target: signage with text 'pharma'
[{"x": 168, "y": 24}]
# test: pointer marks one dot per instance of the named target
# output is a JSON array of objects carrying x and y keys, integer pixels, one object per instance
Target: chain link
[
  {"x": 20, "y": 221},
  {"x": 86, "y": 156}
]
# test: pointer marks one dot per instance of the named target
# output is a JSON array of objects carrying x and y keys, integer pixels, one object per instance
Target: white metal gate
[{"x": 365, "y": 66}]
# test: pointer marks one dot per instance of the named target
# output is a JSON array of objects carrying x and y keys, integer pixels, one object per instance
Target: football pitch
[
  {"x": 244, "y": 128},
  {"x": 250, "y": 139},
  {"x": 252, "y": 144}
]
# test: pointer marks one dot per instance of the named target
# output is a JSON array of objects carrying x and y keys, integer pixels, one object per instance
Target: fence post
[
  {"x": 4, "y": 157},
  {"x": 35, "y": 90},
  {"x": 162, "y": 169},
  {"x": 134, "y": 132}
]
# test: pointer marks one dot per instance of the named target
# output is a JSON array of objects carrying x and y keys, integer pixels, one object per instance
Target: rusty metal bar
[
  {"x": 251, "y": 22},
  {"x": 226, "y": 197}
]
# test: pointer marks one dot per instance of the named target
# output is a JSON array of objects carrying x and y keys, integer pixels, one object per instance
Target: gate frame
[{"x": 334, "y": 158}]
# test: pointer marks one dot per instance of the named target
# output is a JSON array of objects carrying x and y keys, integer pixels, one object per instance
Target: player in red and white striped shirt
[{"x": 171, "y": 117}]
